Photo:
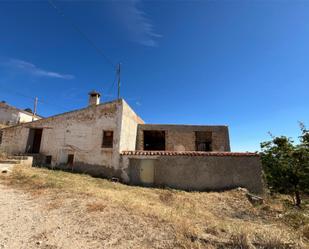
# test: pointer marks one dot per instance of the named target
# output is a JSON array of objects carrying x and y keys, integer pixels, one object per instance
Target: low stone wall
[
  {"x": 26, "y": 161},
  {"x": 198, "y": 172},
  {"x": 90, "y": 169}
]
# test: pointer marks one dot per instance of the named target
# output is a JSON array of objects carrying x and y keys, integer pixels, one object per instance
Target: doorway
[
  {"x": 34, "y": 141},
  {"x": 142, "y": 171},
  {"x": 147, "y": 171}
]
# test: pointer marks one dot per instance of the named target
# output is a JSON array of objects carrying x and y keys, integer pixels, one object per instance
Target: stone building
[
  {"x": 111, "y": 140},
  {"x": 10, "y": 115}
]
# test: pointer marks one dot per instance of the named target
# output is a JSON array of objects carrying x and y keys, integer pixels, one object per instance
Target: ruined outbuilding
[{"x": 111, "y": 140}]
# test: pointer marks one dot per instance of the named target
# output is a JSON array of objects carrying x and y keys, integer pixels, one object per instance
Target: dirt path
[{"x": 58, "y": 221}]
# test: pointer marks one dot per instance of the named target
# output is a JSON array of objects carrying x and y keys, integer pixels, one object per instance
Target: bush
[{"x": 286, "y": 165}]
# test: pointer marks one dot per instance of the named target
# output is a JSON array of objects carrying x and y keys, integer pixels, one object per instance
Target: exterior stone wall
[
  {"x": 182, "y": 137},
  {"x": 78, "y": 132},
  {"x": 198, "y": 173}
]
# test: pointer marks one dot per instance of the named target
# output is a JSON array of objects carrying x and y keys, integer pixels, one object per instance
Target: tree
[{"x": 286, "y": 165}]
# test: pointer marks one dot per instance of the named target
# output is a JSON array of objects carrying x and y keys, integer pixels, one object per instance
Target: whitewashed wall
[
  {"x": 78, "y": 132},
  {"x": 12, "y": 116}
]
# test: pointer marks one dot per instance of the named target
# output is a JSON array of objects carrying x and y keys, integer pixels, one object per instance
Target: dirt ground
[
  {"x": 42, "y": 208},
  {"x": 28, "y": 221}
]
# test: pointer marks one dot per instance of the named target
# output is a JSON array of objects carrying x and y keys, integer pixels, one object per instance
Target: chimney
[{"x": 94, "y": 98}]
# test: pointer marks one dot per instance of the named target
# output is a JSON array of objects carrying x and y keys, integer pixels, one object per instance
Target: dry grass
[
  {"x": 305, "y": 231},
  {"x": 198, "y": 220},
  {"x": 96, "y": 207},
  {"x": 2, "y": 154},
  {"x": 53, "y": 205},
  {"x": 241, "y": 240}
]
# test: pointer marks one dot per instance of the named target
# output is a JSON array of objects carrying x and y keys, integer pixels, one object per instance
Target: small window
[
  {"x": 48, "y": 160},
  {"x": 70, "y": 159},
  {"x": 108, "y": 137}
]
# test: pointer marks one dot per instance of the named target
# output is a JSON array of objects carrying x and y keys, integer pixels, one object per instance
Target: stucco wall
[
  {"x": 129, "y": 123},
  {"x": 8, "y": 117},
  {"x": 128, "y": 132},
  {"x": 182, "y": 137},
  {"x": 11, "y": 116},
  {"x": 78, "y": 132},
  {"x": 201, "y": 172},
  {"x": 24, "y": 118}
]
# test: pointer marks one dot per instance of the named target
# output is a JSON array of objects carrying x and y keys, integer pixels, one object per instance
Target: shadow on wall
[{"x": 99, "y": 171}]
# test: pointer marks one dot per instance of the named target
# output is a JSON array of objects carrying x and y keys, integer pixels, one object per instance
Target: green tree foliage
[{"x": 286, "y": 165}]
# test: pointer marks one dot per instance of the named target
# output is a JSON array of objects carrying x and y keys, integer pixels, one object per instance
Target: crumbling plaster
[{"x": 78, "y": 132}]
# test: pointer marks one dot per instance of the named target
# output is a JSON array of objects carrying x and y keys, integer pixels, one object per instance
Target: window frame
[
  {"x": 150, "y": 144},
  {"x": 205, "y": 140},
  {"x": 110, "y": 143},
  {"x": 70, "y": 159}
]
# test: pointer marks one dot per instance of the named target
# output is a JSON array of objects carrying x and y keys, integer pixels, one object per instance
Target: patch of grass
[
  {"x": 55, "y": 204},
  {"x": 241, "y": 241},
  {"x": 197, "y": 219},
  {"x": 96, "y": 207},
  {"x": 296, "y": 219},
  {"x": 2, "y": 154},
  {"x": 305, "y": 231},
  {"x": 166, "y": 197},
  {"x": 273, "y": 240}
]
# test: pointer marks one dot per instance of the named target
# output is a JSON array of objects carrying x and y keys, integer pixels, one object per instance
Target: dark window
[
  {"x": 203, "y": 140},
  {"x": 154, "y": 140},
  {"x": 70, "y": 159},
  {"x": 48, "y": 160},
  {"x": 108, "y": 137}
]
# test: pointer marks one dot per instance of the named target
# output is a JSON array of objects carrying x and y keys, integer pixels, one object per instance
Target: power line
[
  {"x": 34, "y": 98},
  {"x": 113, "y": 84},
  {"x": 118, "y": 82},
  {"x": 99, "y": 50}
]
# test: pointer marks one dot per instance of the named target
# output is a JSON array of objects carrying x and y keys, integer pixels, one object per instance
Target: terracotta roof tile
[{"x": 185, "y": 153}]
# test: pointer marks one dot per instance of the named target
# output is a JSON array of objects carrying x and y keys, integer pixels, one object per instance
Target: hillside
[{"x": 53, "y": 209}]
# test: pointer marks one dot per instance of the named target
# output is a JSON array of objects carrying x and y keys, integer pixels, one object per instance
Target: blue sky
[{"x": 244, "y": 64}]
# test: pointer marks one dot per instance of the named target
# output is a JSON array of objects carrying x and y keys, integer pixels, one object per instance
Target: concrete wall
[
  {"x": 200, "y": 172},
  {"x": 129, "y": 124},
  {"x": 12, "y": 116},
  {"x": 182, "y": 137},
  {"x": 128, "y": 132}
]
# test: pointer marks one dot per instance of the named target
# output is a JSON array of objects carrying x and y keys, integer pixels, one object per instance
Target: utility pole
[
  {"x": 118, "y": 76},
  {"x": 35, "y": 107}
]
